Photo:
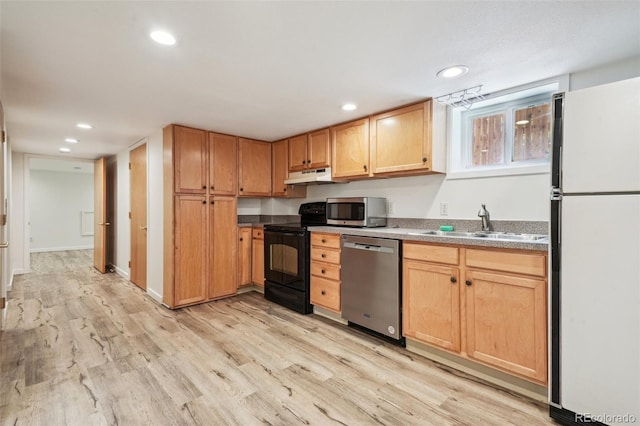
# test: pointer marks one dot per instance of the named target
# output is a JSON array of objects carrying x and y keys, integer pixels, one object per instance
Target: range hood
[{"x": 307, "y": 177}]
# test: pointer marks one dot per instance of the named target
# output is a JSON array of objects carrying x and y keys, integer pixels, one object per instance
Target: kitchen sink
[{"x": 494, "y": 235}]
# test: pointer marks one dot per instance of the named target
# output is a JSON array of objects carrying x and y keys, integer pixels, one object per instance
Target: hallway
[{"x": 84, "y": 348}]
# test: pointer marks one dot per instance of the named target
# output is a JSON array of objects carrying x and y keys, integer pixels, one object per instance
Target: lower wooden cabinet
[
  {"x": 325, "y": 270},
  {"x": 257, "y": 257},
  {"x": 204, "y": 255},
  {"x": 244, "y": 255},
  {"x": 487, "y": 305}
]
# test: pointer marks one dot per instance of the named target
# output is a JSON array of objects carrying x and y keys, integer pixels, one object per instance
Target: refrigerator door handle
[{"x": 556, "y": 193}]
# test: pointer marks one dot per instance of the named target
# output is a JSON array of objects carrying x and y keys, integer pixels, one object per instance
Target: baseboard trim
[
  {"x": 44, "y": 250},
  {"x": 154, "y": 295},
  {"x": 20, "y": 271},
  {"x": 124, "y": 274},
  {"x": 10, "y": 284}
]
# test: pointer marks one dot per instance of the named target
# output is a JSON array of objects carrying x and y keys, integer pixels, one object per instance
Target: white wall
[
  {"x": 19, "y": 255},
  {"x": 122, "y": 249},
  {"x": 155, "y": 217},
  {"x": 56, "y": 200}
]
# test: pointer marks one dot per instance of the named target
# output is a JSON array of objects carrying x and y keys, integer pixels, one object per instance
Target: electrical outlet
[
  {"x": 444, "y": 209},
  {"x": 389, "y": 207}
]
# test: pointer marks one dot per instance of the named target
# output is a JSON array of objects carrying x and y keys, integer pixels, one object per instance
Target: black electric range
[{"x": 287, "y": 250}]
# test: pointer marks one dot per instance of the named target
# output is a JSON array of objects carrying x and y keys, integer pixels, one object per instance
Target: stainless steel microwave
[{"x": 364, "y": 212}]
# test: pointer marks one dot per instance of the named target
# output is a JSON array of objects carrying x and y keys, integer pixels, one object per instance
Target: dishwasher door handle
[{"x": 368, "y": 247}]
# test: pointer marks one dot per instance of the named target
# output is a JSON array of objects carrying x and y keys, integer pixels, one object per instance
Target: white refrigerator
[{"x": 595, "y": 256}]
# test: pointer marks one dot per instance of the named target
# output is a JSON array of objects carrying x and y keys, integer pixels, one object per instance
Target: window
[{"x": 509, "y": 133}]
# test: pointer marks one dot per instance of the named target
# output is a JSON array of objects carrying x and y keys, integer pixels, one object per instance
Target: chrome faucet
[{"x": 483, "y": 214}]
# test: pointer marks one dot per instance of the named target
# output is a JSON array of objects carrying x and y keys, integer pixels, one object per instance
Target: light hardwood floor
[{"x": 82, "y": 348}]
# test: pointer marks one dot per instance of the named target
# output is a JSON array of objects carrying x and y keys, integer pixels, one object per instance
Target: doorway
[{"x": 138, "y": 193}]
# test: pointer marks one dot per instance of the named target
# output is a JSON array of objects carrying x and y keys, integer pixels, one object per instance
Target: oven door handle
[{"x": 288, "y": 234}]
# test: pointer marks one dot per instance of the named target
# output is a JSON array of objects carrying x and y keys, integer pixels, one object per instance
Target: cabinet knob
[
  {"x": 285, "y": 190},
  {"x": 365, "y": 167},
  {"x": 324, "y": 241},
  {"x": 424, "y": 159},
  {"x": 213, "y": 202},
  {"x": 322, "y": 271},
  {"x": 240, "y": 238},
  {"x": 468, "y": 282},
  {"x": 323, "y": 292},
  {"x": 304, "y": 161},
  {"x": 454, "y": 280},
  {"x": 323, "y": 255},
  {"x": 204, "y": 186},
  {"x": 204, "y": 201},
  {"x": 241, "y": 189},
  {"x": 213, "y": 187}
]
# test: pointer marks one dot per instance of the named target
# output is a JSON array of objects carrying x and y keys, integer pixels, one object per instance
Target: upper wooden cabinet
[
  {"x": 350, "y": 149},
  {"x": 223, "y": 164},
  {"x": 254, "y": 168},
  {"x": 309, "y": 151},
  {"x": 189, "y": 160},
  {"x": 401, "y": 140},
  {"x": 279, "y": 172}
]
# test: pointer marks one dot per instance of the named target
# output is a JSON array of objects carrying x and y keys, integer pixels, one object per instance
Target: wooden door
[
  {"x": 350, "y": 149},
  {"x": 100, "y": 215},
  {"x": 298, "y": 153},
  {"x": 4, "y": 214},
  {"x": 401, "y": 139},
  {"x": 431, "y": 304},
  {"x": 190, "y": 161},
  {"x": 254, "y": 168},
  {"x": 507, "y": 322},
  {"x": 319, "y": 149},
  {"x": 223, "y": 164},
  {"x": 244, "y": 256},
  {"x": 191, "y": 249},
  {"x": 138, "y": 195},
  {"x": 223, "y": 256}
]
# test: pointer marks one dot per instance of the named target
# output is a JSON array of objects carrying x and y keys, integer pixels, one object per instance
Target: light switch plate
[{"x": 444, "y": 209}]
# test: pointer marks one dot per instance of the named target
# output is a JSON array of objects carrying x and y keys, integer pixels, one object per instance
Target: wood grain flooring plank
[{"x": 83, "y": 348}]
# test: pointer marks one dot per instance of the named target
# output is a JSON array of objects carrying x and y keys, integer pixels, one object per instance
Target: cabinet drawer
[
  {"x": 325, "y": 240},
  {"x": 325, "y": 270},
  {"x": 519, "y": 263},
  {"x": 325, "y": 255},
  {"x": 258, "y": 233},
  {"x": 325, "y": 293},
  {"x": 431, "y": 253}
]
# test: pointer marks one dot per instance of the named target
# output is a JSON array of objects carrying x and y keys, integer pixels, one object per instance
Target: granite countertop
[{"x": 408, "y": 234}]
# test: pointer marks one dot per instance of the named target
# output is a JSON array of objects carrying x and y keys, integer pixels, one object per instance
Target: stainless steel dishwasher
[{"x": 370, "y": 291}]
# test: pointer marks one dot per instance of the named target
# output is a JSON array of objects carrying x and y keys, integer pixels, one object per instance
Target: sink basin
[{"x": 494, "y": 235}]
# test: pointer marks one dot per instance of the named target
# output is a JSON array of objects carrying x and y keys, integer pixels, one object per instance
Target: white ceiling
[{"x": 273, "y": 69}]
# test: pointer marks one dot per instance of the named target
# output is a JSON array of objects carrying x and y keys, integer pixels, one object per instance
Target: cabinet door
[
  {"x": 431, "y": 304},
  {"x": 223, "y": 164},
  {"x": 244, "y": 256},
  {"x": 190, "y": 161},
  {"x": 298, "y": 153},
  {"x": 506, "y": 322},
  {"x": 254, "y": 168},
  {"x": 350, "y": 149},
  {"x": 223, "y": 257},
  {"x": 279, "y": 168},
  {"x": 319, "y": 149},
  {"x": 191, "y": 248},
  {"x": 257, "y": 262},
  {"x": 401, "y": 140}
]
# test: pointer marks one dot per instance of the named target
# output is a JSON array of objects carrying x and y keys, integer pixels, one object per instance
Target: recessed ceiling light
[
  {"x": 63, "y": 149},
  {"x": 454, "y": 71},
  {"x": 349, "y": 107},
  {"x": 84, "y": 126},
  {"x": 163, "y": 37},
  {"x": 71, "y": 140}
]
